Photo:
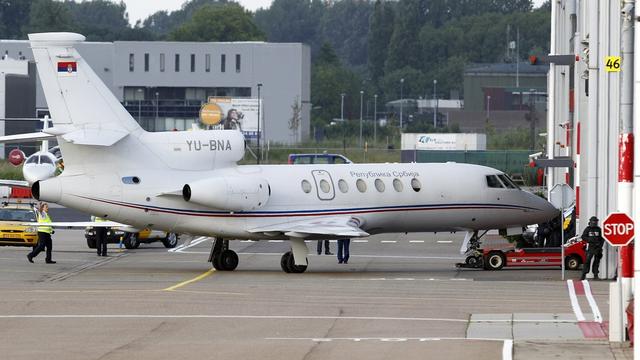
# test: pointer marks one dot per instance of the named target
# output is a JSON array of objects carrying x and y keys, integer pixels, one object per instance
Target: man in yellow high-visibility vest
[{"x": 44, "y": 235}]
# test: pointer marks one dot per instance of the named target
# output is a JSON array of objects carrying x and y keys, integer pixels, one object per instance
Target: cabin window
[
  {"x": 131, "y": 180},
  {"x": 397, "y": 184},
  {"x": 415, "y": 184},
  {"x": 379, "y": 185},
  {"x": 508, "y": 182},
  {"x": 306, "y": 186},
  {"x": 45, "y": 160},
  {"x": 324, "y": 186},
  {"x": 343, "y": 186},
  {"x": 493, "y": 182},
  {"x": 361, "y": 185}
]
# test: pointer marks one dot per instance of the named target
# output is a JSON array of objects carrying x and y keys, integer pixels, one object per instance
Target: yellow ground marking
[{"x": 197, "y": 278}]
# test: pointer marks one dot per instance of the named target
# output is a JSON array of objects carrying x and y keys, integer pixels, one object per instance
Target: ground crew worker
[
  {"x": 44, "y": 235},
  {"x": 343, "y": 250},
  {"x": 327, "y": 250},
  {"x": 101, "y": 237},
  {"x": 593, "y": 236}
]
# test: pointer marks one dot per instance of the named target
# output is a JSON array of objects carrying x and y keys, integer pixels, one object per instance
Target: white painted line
[
  {"x": 507, "y": 350},
  {"x": 445, "y": 241},
  {"x": 386, "y": 339},
  {"x": 360, "y": 241},
  {"x": 574, "y": 301},
  {"x": 388, "y": 241},
  {"x": 258, "y": 317},
  {"x": 597, "y": 317},
  {"x": 247, "y": 241},
  {"x": 276, "y": 241},
  {"x": 416, "y": 241}
]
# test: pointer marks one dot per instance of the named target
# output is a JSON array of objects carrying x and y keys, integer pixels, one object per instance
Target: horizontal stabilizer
[
  {"x": 336, "y": 226},
  {"x": 96, "y": 137},
  {"x": 28, "y": 137},
  {"x": 17, "y": 183}
]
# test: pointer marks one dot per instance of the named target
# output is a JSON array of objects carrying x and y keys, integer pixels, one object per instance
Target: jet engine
[
  {"x": 230, "y": 193},
  {"x": 47, "y": 190}
]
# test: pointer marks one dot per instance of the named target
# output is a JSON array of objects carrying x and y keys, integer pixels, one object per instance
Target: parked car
[
  {"x": 12, "y": 230},
  {"x": 133, "y": 240},
  {"x": 318, "y": 159}
]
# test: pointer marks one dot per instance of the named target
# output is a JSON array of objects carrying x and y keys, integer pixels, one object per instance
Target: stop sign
[{"x": 618, "y": 229}]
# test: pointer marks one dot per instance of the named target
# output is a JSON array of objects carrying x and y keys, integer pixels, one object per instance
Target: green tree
[
  {"x": 345, "y": 25},
  {"x": 380, "y": 31},
  {"x": 292, "y": 21},
  {"x": 99, "y": 20},
  {"x": 229, "y": 22},
  {"x": 13, "y": 14},
  {"x": 49, "y": 15},
  {"x": 161, "y": 23},
  {"x": 404, "y": 46}
]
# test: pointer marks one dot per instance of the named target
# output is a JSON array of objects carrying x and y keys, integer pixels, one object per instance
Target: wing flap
[{"x": 335, "y": 226}]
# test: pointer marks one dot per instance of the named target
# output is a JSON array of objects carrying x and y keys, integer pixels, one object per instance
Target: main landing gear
[
  {"x": 222, "y": 258},
  {"x": 295, "y": 261}
]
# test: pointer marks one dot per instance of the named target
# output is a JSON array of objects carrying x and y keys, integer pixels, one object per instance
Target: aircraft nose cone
[{"x": 545, "y": 210}]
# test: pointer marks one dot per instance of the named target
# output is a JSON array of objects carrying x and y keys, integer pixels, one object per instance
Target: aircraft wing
[
  {"x": 29, "y": 137},
  {"x": 334, "y": 226},
  {"x": 18, "y": 183},
  {"x": 78, "y": 224}
]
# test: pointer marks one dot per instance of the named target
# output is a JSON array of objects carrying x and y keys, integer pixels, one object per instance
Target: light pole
[
  {"x": 401, "y": 101},
  {"x": 259, "y": 152},
  {"x": 435, "y": 106},
  {"x": 488, "y": 106},
  {"x": 342, "y": 108},
  {"x": 361, "y": 95},
  {"x": 375, "y": 116},
  {"x": 157, "y": 94}
]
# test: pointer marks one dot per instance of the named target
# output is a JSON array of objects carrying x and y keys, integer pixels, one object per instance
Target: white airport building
[{"x": 164, "y": 84}]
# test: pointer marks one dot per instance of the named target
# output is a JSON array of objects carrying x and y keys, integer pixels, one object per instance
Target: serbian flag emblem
[{"x": 67, "y": 68}]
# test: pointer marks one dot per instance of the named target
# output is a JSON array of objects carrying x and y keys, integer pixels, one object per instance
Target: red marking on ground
[
  {"x": 579, "y": 287},
  {"x": 592, "y": 330}
]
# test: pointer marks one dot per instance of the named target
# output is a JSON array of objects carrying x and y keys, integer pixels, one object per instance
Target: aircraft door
[{"x": 324, "y": 184}]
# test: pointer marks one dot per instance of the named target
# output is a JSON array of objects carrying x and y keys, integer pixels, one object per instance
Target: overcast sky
[{"x": 140, "y": 9}]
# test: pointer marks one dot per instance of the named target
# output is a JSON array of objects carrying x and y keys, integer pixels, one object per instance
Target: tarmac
[{"x": 400, "y": 296}]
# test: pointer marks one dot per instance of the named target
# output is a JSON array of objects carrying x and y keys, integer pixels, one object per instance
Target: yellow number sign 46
[{"x": 612, "y": 63}]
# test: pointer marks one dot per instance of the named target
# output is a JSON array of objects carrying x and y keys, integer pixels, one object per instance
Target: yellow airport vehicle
[{"x": 12, "y": 233}]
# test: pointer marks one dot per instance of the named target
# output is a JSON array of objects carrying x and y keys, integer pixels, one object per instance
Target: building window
[
  {"x": 131, "y": 62},
  {"x": 223, "y": 63},
  {"x": 207, "y": 63},
  {"x": 237, "y": 63},
  {"x": 161, "y": 62},
  {"x": 146, "y": 62},
  {"x": 177, "y": 62},
  {"x": 193, "y": 62}
]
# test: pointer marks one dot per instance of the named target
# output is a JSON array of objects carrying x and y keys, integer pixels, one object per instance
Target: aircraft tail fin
[{"x": 77, "y": 98}]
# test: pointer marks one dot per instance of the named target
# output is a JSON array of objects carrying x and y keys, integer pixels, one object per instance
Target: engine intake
[
  {"x": 47, "y": 190},
  {"x": 228, "y": 193}
]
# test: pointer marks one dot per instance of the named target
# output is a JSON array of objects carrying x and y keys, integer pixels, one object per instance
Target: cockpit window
[
  {"x": 32, "y": 160},
  {"x": 508, "y": 182},
  {"x": 45, "y": 160},
  {"x": 493, "y": 182}
]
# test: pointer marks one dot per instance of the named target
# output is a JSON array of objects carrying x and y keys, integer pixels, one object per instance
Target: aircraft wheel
[
  {"x": 495, "y": 260},
  {"x": 216, "y": 262},
  {"x": 473, "y": 261},
  {"x": 572, "y": 262},
  {"x": 284, "y": 261},
  {"x": 228, "y": 260},
  {"x": 170, "y": 241},
  {"x": 293, "y": 268},
  {"x": 131, "y": 241}
]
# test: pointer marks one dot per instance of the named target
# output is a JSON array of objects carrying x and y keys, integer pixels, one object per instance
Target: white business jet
[{"x": 189, "y": 182}]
